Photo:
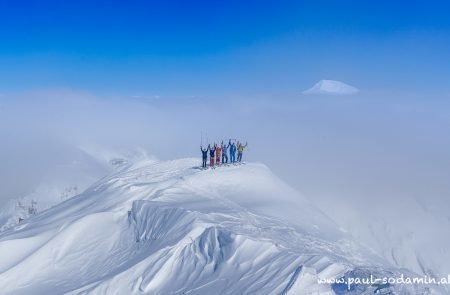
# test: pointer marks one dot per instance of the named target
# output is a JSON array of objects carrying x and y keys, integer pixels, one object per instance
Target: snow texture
[{"x": 172, "y": 228}]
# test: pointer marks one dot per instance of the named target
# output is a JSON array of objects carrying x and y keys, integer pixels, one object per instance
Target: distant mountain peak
[{"x": 331, "y": 87}]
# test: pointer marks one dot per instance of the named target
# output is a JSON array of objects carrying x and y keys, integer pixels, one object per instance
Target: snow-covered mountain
[
  {"x": 331, "y": 87},
  {"x": 71, "y": 175},
  {"x": 171, "y": 228}
]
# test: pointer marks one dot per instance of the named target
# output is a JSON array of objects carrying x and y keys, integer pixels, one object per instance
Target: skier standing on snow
[
  {"x": 224, "y": 153},
  {"x": 240, "y": 149},
  {"x": 232, "y": 151},
  {"x": 204, "y": 155},
  {"x": 211, "y": 155},
  {"x": 218, "y": 151}
]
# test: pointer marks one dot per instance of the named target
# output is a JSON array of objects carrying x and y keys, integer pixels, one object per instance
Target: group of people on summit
[{"x": 216, "y": 152}]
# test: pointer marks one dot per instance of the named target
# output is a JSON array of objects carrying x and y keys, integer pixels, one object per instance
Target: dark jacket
[
  {"x": 204, "y": 152},
  {"x": 212, "y": 151}
]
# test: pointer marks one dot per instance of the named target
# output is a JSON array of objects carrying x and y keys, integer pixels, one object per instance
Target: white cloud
[{"x": 331, "y": 87}]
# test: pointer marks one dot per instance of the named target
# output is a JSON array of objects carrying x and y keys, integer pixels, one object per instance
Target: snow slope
[
  {"x": 171, "y": 228},
  {"x": 331, "y": 87},
  {"x": 407, "y": 232},
  {"x": 77, "y": 170}
]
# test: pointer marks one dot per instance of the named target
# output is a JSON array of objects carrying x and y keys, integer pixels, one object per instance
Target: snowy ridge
[{"x": 169, "y": 228}]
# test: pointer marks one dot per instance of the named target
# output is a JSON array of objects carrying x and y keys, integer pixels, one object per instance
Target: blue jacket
[
  {"x": 225, "y": 149},
  {"x": 232, "y": 148}
]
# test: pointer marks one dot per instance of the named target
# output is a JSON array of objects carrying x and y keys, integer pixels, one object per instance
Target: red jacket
[{"x": 218, "y": 151}]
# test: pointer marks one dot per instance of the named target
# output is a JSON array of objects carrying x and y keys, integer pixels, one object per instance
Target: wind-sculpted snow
[{"x": 170, "y": 228}]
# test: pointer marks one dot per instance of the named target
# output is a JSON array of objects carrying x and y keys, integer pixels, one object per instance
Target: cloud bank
[{"x": 361, "y": 160}]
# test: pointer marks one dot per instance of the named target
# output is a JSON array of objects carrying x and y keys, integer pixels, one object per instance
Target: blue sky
[{"x": 224, "y": 48}]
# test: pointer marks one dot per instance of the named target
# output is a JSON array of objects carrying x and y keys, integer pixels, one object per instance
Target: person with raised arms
[
  {"x": 225, "y": 153},
  {"x": 218, "y": 152},
  {"x": 212, "y": 152},
  {"x": 204, "y": 155},
  {"x": 232, "y": 151},
  {"x": 240, "y": 149}
]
